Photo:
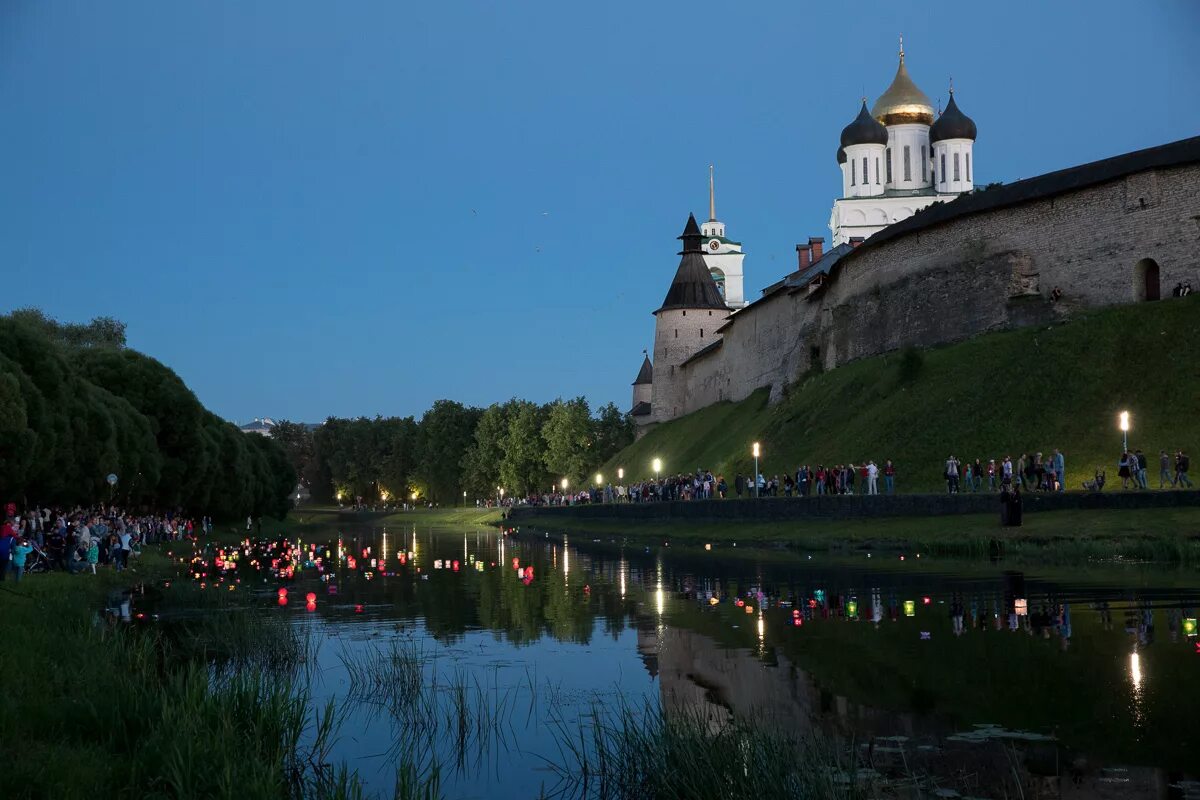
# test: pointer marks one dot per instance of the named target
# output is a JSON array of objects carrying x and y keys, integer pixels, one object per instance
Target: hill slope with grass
[{"x": 998, "y": 394}]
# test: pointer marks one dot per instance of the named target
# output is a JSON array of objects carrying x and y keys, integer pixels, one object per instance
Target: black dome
[
  {"x": 841, "y": 155},
  {"x": 952, "y": 124},
  {"x": 864, "y": 130}
]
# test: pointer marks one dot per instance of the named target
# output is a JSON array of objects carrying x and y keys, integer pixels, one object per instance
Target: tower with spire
[
  {"x": 898, "y": 159},
  {"x": 723, "y": 256},
  {"x": 684, "y": 324}
]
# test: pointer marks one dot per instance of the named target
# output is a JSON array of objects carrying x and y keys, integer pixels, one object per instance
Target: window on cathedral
[
  {"x": 956, "y": 167},
  {"x": 907, "y": 165},
  {"x": 924, "y": 164},
  {"x": 877, "y": 171},
  {"x": 968, "y": 157},
  {"x": 677, "y": 333},
  {"x": 853, "y": 172},
  {"x": 943, "y": 171},
  {"x": 866, "y": 179},
  {"x": 702, "y": 333},
  {"x": 887, "y": 160}
]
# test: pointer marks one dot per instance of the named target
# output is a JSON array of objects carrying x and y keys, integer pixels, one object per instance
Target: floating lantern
[
  {"x": 796, "y": 613},
  {"x": 454, "y": 565},
  {"x": 358, "y": 609},
  {"x": 926, "y": 600},
  {"x": 749, "y": 609},
  {"x": 852, "y": 608},
  {"x": 1021, "y": 607},
  {"x": 712, "y": 601},
  {"x": 282, "y": 591},
  {"x": 311, "y": 597},
  {"x": 910, "y": 608},
  {"x": 797, "y": 621},
  {"x": 310, "y": 606},
  {"x": 1189, "y": 626},
  {"x": 707, "y": 546},
  {"x": 283, "y": 601}
]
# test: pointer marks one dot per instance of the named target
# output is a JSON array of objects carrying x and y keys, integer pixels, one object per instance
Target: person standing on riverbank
[
  {"x": 1060, "y": 470},
  {"x": 872, "y": 478},
  {"x": 1164, "y": 470},
  {"x": 889, "y": 477},
  {"x": 20, "y": 551},
  {"x": 1140, "y": 464},
  {"x": 951, "y": 475},
  {"x": 1182, "y": 463}
]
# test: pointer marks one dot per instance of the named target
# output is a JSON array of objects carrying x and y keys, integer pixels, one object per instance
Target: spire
[
  {"x": 902, "y": 48},
  {"x": 693, "y": 286},
  {"x": 712, "y": 197},
  {"x": 646, "y": 373}
]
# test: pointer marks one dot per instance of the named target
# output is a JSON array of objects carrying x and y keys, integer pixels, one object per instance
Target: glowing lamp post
[
  {"x": 756, "y": 450},
  {"x": 620, "y": 473},
  {"x": 656, "y": 465},
  {"x": 1123, "y": 421},
  {"x": 464, "y": 498}
]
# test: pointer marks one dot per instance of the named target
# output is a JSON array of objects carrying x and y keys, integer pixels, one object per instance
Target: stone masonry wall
[{"x": 948, "y": 282}]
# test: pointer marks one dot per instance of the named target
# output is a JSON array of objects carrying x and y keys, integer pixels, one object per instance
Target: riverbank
[
  {"x": 1161, "y": 534},
  {"x": 97, "y": 707}
]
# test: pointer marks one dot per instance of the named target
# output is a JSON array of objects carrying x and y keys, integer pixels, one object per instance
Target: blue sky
[{"x": 311, "y": 209}]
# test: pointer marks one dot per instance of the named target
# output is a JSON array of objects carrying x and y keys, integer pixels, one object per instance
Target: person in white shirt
[{"x": 872, "y": 478}]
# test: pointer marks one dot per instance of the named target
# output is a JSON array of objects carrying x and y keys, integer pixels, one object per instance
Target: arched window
[
  {"x": 853, "y": 173},
  {"x": 942, "y": 171},
  {"x": 907, "y": 163},
  {"x": 887, "y": 160},
  {"x": 866, "y": 179},
  {"x": 968, "y": 158},
  {"x": 956, "y": 167},
  {"x": 924, "y": 164},
  {"x": 1145, "y": 280},
  {"x": 876, "y": 171}
]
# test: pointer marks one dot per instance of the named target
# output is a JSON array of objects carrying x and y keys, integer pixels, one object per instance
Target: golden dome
[{"x": 903, "y": 103}]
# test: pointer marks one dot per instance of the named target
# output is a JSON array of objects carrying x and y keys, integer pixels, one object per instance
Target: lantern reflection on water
[{"x": 910, "y": 608}]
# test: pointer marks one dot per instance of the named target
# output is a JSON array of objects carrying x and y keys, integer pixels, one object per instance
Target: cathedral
[{"x": 895, "y": 160}]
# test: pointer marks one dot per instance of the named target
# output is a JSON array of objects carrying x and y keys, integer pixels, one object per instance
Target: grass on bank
[
  {"x": 997, "y": 394},
  {"x": 1160, "y": 534},
  {"x": 93, "y": 709}
]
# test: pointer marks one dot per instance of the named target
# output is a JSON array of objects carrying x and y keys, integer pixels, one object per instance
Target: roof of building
[
  {"x": 841, "y": 156},
  {"x": 952, "y": 124},
  {"x": 640, "y": 409},
  {"x": 258, "y": 425},
  {"x": 693, "y": 286},
  {"x": 1184, "y": 151},
  {"x": 903, "y": 103},
  {"x": 703, "y": 351},
  {"x": 646, "y": 373},
  {"x": 791, "y": 282},
  {"x": 865, "y": 129}
]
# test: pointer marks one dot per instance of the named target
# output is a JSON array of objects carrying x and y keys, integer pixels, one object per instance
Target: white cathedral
[
  {"x": 898, "y": 159},
  {"x": 895, "y": 159}
]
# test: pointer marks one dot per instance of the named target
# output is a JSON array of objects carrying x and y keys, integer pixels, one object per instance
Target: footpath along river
[{"x": 480, "y": 652}]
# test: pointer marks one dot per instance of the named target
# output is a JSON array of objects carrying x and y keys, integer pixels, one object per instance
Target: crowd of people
[
  {"x": 82, "y": 539},
  {"x": 1028, "y": 472}
]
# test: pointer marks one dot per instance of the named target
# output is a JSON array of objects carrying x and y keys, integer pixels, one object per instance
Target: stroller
[
  {"x": 37, "y": 561},
  {"x": 1096, "y": 484}
]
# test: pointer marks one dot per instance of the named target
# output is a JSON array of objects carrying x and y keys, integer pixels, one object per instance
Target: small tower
[
  {"x": 862, "y": 151},
  {"x": 643, "y": 387},
  {"x": 723, "y": 256},
  {"x": 907, "y": 113},
  {"x": 686, "y": 322},
  {"x": 953, "y": 138}
]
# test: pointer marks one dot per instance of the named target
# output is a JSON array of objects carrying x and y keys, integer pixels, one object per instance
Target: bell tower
[{"x": 723, "y": 256}]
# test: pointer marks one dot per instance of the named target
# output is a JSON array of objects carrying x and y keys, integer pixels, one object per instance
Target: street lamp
[
  {"x": 755, "y": 450},
  {"x": 599, "y": 479},
  {"x": 564, "y": 484},
  {"x": 1124, "y": 422},
  {"x": 464, "y": 498},
  {"x": 620, "y": 473},
  {"x": 656, "y": 465}
]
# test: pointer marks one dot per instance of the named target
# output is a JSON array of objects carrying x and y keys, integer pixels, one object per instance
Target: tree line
[
  {"x": 520, "y": 446},
  {"x": 77, "y": 405}
]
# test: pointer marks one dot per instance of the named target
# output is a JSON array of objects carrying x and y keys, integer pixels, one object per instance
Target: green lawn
[
  {"x": 1169, "y": 534},
  {"x": 998, "y": 394}
]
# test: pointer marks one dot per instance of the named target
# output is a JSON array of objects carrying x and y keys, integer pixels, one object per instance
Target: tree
[
  {"x": 481, "y": 463},
  {"x": 296, "y": 441},
  {"x": 568, "y": 436},
  {"x": 523, "y": 468},
  {"x": 446, "y": 433},
  {"x": 614, "y": 431}
]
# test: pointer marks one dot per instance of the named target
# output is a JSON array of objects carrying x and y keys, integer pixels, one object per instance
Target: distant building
[{"x": 263, "y": 426}]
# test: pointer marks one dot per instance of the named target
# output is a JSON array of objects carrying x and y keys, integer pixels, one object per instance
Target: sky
[{"x": 314, "y": 208}]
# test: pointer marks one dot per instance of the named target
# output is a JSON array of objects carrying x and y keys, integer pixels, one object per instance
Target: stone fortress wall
[{"x": 984, "y": 262}]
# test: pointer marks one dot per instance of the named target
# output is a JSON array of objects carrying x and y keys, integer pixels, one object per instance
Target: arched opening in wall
[{"x": 1145, "y": 280}]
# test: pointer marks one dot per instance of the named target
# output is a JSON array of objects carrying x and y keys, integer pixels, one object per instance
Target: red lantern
[
  {"x": 282, "y": 591},
  {"x": 358, "y": 609},
  {"x": 311, "y": 597},
  {"x": 311, "y": 605}
]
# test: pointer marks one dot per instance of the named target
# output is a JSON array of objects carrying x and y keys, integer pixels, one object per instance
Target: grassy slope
[{"x": 995, "y": 395}]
